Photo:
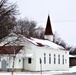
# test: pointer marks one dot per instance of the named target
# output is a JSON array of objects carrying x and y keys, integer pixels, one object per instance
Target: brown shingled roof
[
  {"x": 48, "y": 30},
  {"x": 10, "y": 49}
]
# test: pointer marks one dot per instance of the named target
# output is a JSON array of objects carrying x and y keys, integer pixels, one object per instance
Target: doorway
[{"x": 4, "y": 65}]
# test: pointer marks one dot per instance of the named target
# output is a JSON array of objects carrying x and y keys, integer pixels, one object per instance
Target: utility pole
[
  {"x": 41, "y": 65},
  {"x": 13, "y": 59},
  {"x": 13, "y": 65}
]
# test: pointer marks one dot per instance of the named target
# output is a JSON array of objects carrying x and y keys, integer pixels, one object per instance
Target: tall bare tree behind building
[
  {"x": 7, "y": 17},
  {"x": 27, "y": 27}
]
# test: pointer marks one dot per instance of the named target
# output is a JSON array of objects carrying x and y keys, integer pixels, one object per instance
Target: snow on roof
[
  {"x": 35, "y": 41},
  {"x": 43, "y": 42}
]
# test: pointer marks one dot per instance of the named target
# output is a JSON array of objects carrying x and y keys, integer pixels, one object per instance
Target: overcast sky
[{"x": 62, "y": 14}]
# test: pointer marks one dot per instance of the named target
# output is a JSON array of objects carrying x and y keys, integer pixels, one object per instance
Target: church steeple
[{"x": 48, "y": 30}]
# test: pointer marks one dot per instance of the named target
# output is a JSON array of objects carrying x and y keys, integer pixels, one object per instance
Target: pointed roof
[{"x": 48, "y": 30}]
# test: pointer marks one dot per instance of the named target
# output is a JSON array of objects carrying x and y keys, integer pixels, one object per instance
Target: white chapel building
[{"x": 34, "y": 53}]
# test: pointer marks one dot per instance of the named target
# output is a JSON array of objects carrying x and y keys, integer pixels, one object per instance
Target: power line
[
  {"x": 59, "y": 21},
  {"x": 64, "y": 21}
]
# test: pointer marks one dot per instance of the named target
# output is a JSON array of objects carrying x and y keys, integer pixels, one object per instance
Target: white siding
[
  {"x": 52, "y": 66},
  {"x": 32, "y": 65},
  {"x": 9, "y": 60},
  {"x": 49, "y": 37},
  {"x": 38, "y": 52}
]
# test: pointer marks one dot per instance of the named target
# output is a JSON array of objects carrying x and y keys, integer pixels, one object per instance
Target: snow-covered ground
[{"x": 71, "y": 70}]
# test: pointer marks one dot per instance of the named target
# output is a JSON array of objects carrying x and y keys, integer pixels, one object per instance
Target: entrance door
[{"x": 4, "y": 64}]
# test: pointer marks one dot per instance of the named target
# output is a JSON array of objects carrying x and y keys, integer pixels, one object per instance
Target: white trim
[{"x": 28, "y": 56}]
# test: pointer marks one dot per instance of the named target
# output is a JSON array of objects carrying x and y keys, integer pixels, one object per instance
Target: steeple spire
[{"x": 48, "y": 30}]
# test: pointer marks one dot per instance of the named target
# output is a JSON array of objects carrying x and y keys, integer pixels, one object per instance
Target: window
[
  {"x": 44, "y": 58},
  {"x": 29, "y": 60},
  {"x": 65, "y": 60},
  {"x": 54, "y": 59},
  {"x": 62, "y": 59},
  {"x": 49, "y": 58},
  {"x": 58, "y": 59},
  {"x": 19, "y": 60},
  {"x": 40, "y": 61}
]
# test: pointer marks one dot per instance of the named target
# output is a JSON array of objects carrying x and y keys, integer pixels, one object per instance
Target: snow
[
  {"x": 71, "y": 70},
  {"x": 74, "y": 56},
  {"x": 45, "y": 43},
  {"x": 28, "y": 56},
  {"x": 12, "y": 37}
]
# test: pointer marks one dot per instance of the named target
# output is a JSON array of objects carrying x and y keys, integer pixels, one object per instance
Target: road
[{"x": 67, "y": 74}]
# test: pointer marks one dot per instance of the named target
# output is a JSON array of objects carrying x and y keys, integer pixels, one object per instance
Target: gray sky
[{"x": 62, "y": 14}]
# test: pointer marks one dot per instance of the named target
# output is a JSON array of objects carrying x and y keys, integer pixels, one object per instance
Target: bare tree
[
  {"x": 7, "y": 17},
  {"x": 27, "y": 27},
  {"x": 62, "y": 43},
  {"x": 39, "y": 33},
  {"x": 12, "y": 43},
  {"x": 59, "y": 41}
]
